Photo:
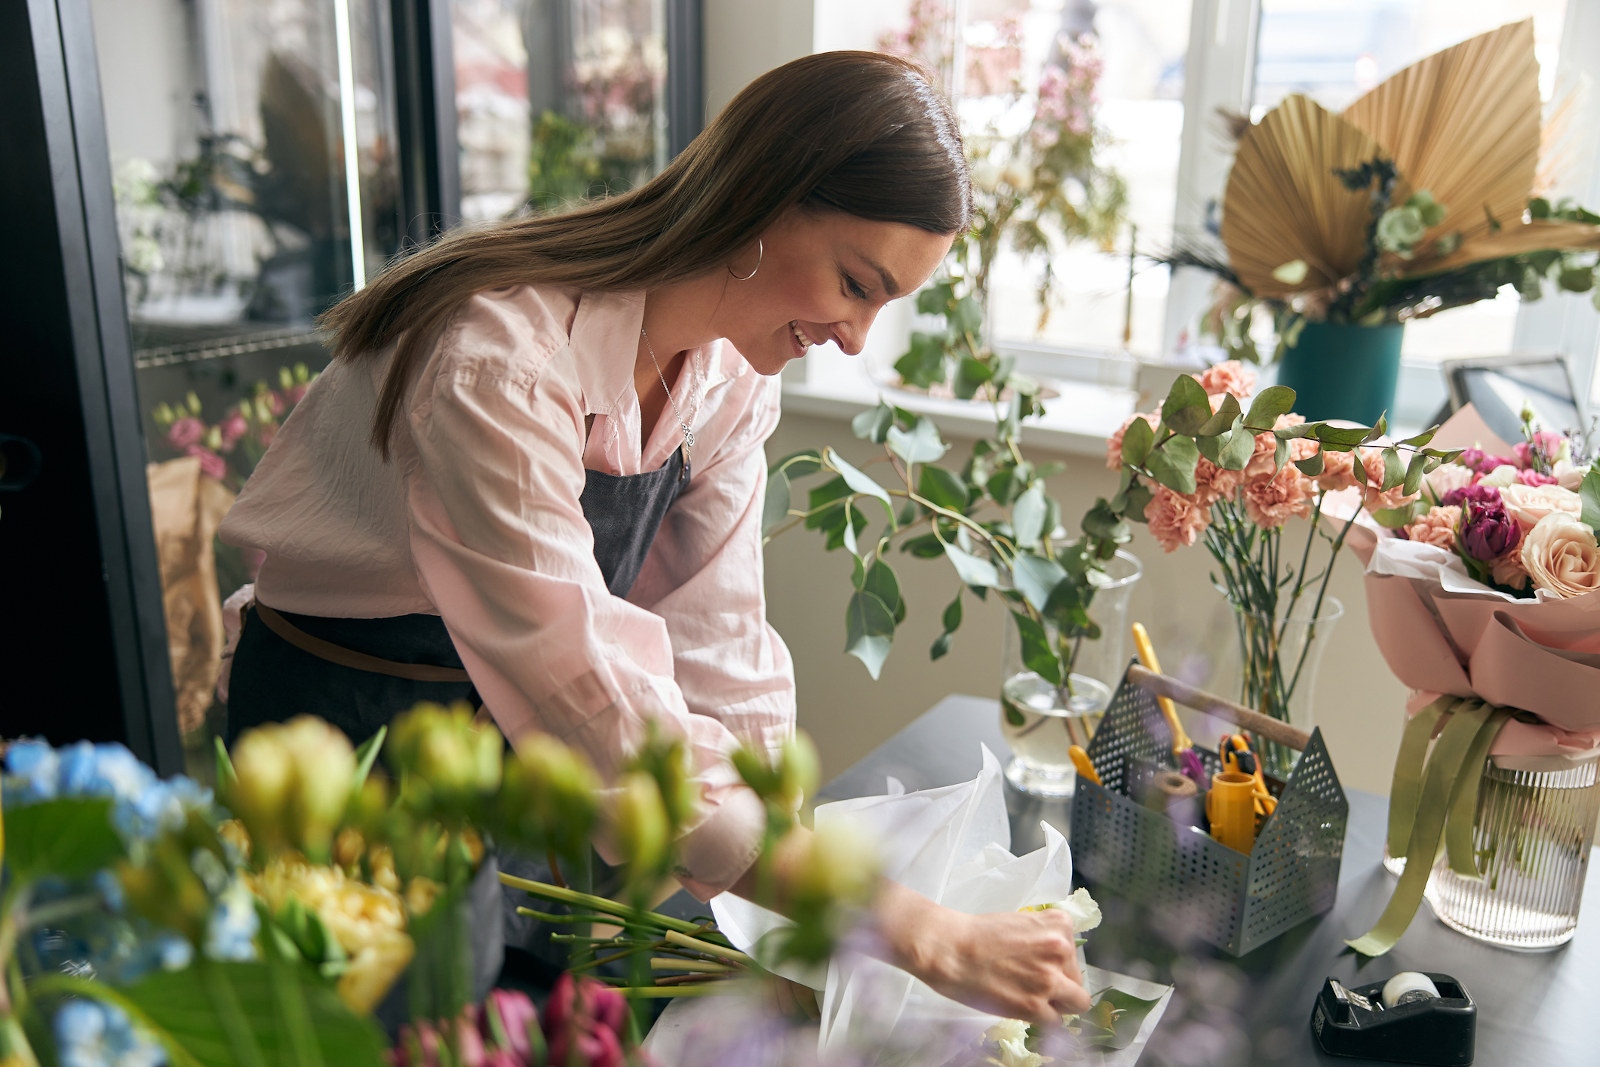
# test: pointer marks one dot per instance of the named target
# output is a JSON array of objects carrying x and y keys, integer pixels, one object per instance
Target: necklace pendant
[{"x": 688, "y": 437}]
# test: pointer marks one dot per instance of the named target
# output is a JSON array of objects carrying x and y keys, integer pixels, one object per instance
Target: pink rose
[
  {"x": 1437, "y": 527},
  {"x": 185, "y": 432},
  {"x": 1530, "y": 503},
  {"x": 1114, "y": 442},
  {"x": 1229, "y": 376},
  {"x": 211, "y": 464},
  {"x": 1509, "y": 572},
  {"x": 1372, "y": 463},
  {"x": 1445, "y": 477},
  {"x": 1271, "y": 501},
  {"x": 1560, "y": 555},
  {"x": 1337, "y": 471},
  {"x": 1175, "y": 520}
]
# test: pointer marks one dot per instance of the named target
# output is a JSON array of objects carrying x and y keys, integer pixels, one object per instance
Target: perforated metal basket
[{"x": 1234, "y": 901}]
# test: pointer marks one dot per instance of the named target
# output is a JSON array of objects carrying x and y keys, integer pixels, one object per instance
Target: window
[{"x": 1169, "y": 68}]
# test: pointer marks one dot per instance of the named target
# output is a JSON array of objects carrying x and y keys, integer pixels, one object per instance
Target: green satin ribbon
[{"x": 1433, "y": 800}]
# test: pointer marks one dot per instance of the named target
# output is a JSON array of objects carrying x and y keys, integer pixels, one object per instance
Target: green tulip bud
[
  {"x": 193, "y": 400},
  {"x": 164, "y": 415},
  {"x": 550, "y": 794},
  {"x": 260, "y": 794},
  {"x": 799, "y": 772},
  {"x": 445, "y": 751},
  {"x": 325, "y": 768},
  {"x": 285, "y": 379},
  {"x": 641, "y": 823}
]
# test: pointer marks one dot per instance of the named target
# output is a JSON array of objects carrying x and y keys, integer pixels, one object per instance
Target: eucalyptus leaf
[
  {"x": 1394, "y": 518},
  {"x": 1187, "y": 407},
  {"x": 935, "y": 299},
  {"x": 1173, "y": 463},
  {"x": 1238, "y": 449},
  {"x": 861, "y": 483},
  {"x": 873, "y": 424},
  {"x": 1136, "y": 441},
  {"x": 1378, "y": 429},
  {"x": 1223, "y": 420},
  {"x": 1422, "y": 438},
  {"x": 1394, "y": 470},
  {"x": 869, "y": 631},
  {"x": 922, "y": 366},
  {"x": 1037, "y": 655},
  {"x": 1028, "y": 515},
  {"x": 1340, "y": 438},
  {"x": 925, "y": 546},
  {"x": 1005, "y": 486},
  {"x": 966, "y": 315},
  {"x": 920, "y": 444},
  {"x": 940, "y": 646},
  {"x": 972, "y": 570},
  {"x": 1271, "y": 402},
  {"x": 1036, "y": 578},
  {"x": 943, "y": 487},
  {"x": 1312, "y": 465},
  {"x": 1414, "y": 472},
  {"x": 1138, "y": 498}
]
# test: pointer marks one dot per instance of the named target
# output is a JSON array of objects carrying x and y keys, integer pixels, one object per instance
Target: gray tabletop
[{"x": 1533, "y": 1007}]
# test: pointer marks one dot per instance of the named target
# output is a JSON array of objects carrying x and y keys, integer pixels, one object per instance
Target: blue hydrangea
[
  {"x": 233, "y": 925},
  {"x": 91, "y": 1034},
  {"x": 144, "y": 806},
  {"x": 32, "y": 768}
]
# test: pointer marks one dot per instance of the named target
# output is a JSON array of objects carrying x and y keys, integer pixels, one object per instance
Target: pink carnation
[
  {"x": 1437, "y": 527},
  {"x": 1509, "y": 571},
  {"x": 1372, "y": 462},
  {"x": 1213, "y": 483},
  {"x": 185, "y": 432},
  {"x": 1338, "y": 471},
  {"x": 1176, "y": 520},
  {"x": 1114, "y": 442},
  {"x": 1229, "y": 376},
  {"x": 1270, "y": 502}
]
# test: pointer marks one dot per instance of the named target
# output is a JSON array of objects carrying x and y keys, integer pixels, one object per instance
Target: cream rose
[
  {"x": 1560, "y": 554},
  {"x": 1530, "y": 503}
]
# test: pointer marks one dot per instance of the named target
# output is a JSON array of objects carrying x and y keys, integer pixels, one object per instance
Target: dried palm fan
[
  {"x": 1519, "y": 239},
  {"x": 1284, "y": 203},
  {"x": 1560, "y": 140},
  {"x": 1464, "y": 124}
]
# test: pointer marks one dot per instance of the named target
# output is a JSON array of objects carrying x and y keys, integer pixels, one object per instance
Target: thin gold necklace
[{"x": 688, "y": 434}]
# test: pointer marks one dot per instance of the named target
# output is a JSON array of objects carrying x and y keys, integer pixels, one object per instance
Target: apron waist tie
[{"x": 345, "y": 657}]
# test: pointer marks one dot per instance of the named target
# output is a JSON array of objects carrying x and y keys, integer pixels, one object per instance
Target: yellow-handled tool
[
  {"x": 1080, "y": 760},
  {"x": 1182, "y": 748}
]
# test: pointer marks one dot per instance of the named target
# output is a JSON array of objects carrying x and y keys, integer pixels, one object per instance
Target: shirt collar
[{"x": 604, "y": 336}]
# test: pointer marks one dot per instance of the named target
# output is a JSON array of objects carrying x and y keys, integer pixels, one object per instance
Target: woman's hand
[{"x": 1020, "y": 965}]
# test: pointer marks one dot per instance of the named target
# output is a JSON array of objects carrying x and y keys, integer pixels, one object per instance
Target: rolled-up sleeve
[{"x": 503, "y": 550}]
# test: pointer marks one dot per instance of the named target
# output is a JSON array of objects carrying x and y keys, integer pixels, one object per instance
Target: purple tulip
[
  {"x": 1488, "y": 531},
  {"x": 1472, "y": 494}
]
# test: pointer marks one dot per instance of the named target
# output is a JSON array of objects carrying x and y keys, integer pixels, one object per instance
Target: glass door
[{"x": 254, "y": 162}]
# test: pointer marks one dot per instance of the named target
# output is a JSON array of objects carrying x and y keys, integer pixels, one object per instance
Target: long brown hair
[{"x": 860, "y": 132}]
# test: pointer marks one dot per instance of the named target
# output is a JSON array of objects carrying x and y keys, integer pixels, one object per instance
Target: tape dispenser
[{"x": 1414, "y": 1017}]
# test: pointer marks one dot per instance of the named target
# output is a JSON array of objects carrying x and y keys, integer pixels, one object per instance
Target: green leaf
[
  {"x": 923, "y": 364},
  {"x": 966, "y": 316},
  {"x": 940, "y": 646},
  {"x": 1394, "y": 470},
  {"x": 1422, "y": 438},
  {"x": 860, "y": 482},
  {"x": 226, "y": 775},
  {"x": 1138, "y": 498},
  {"x": 881, "y": 582},
  {"x": 1103, "y": 522},
  {"x": 1173, "y": 463},
  {"x": 971, "y": 373},
  {"x": 1136, "y": 442},
  {"x": 67, "y": 838},
  {"x": 1312, "y": 465},
  {"x": 1378, "y": 429},
  {"x": 1187, "y": 407},
  {"x": 1271, "y": 402},
  {"x": 935, "y": 298},
  {"x": 921, "y": 444},
  {"x": 1342, "y": 438},
  {"x": 798, "y": 464},
  {"x": 775, "y": 505},
  {"x": 288, "y": 1021},
  {"x": 366, "y": 755},
  {"x": 942, "y": 487},
  {"x": 927, "y": 546},
  {"x": 869, "y": 631},
  {"x": 1237, "y": 450},
  {"x": 873, "y": 424},
  {"x": 1028, "y": 515},
  {"x": 1223, "y": 420},
  {"x": 1005, "y": 486},
  {"x": 952, "y": 615},
  {"x": 1394, "y": 518},
  {"x": 1113, "y": 1021},
  {"x": 972, "y": 570},
  {"x": 1414, "y": 472},
  {"x": 1036, "y": 577},
  {"x": 1037, "y": 655},
  {"x": 1589, "y": 494}
]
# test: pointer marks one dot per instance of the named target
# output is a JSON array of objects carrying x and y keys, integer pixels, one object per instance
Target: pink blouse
[{"x": 476, "y": 518}]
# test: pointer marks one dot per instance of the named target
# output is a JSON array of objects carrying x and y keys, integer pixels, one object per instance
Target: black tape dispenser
[{"x": 1412, "y": 1018}]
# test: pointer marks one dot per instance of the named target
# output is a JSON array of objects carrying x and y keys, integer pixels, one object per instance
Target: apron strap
[{"x": 344, "y": 657}]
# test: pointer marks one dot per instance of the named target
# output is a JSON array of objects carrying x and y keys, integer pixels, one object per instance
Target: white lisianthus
[
  {"x": 1500, "y": 477},
  {"x": 1080, "y": 906},
  {"x": 1010, "y": 1037}
]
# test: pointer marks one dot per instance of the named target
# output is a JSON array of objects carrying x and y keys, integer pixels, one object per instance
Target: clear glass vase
[
  {"x": 1533, "y": 836},
  {"x": 1279, "y": 658},
  {"x": 1041, "y": 721}
]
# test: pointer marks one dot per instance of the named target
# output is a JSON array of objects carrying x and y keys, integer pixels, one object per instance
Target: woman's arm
[{"x": 1019, "y": 965}]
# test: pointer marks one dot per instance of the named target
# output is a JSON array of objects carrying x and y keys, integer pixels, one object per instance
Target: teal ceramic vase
[{"x": 1343, "y": 371}]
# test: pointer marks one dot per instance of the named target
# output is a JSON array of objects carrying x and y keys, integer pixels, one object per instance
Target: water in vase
[{"x": 1040, "y": 728}]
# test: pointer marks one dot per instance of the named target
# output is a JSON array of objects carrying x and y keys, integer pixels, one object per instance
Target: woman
[{"x": 533, "y": 473}]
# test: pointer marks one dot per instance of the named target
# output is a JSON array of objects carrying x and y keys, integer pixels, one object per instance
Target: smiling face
[{"x": 824, "y": 276}]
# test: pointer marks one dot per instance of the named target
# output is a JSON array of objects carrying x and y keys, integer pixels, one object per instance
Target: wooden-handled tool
[{"x": 1200, "y": 700}]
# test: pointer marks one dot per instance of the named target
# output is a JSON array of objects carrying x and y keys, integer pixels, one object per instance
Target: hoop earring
[{"x": 761, "y": 251}]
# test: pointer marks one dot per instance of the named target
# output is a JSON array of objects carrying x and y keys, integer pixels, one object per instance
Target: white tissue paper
[{"x": 952, "y": 845}]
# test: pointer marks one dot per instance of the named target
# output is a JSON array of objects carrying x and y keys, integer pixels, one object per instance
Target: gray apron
[{"x": 358, "y": 674}]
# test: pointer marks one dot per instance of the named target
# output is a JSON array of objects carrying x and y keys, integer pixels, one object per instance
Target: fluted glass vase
[{"x": 1279, "y": 658}]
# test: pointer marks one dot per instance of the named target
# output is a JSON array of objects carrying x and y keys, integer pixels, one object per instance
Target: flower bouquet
[
  {"x": 1238, "y": 498},
  {"x": 1484, "y": 598}
]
